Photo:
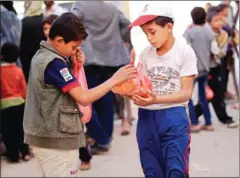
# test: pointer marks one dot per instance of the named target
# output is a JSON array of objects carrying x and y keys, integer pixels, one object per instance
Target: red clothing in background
[{"x": 13, "y": 83}]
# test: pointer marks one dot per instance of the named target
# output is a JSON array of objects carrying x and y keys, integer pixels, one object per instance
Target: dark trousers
[
  {"x": 217, "y": 101},
  {"x": 84, "y": 154},
  {"x": 12, "y": 132},
  {"x": 100, "y": 126},
  {"x": 225, "y": 71}
]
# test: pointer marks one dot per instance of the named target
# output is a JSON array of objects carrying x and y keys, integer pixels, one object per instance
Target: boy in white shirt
[{"x": 163, "y": 125}]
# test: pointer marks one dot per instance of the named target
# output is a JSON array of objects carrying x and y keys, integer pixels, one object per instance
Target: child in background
[
  {"x": 201, "y": 39},
  {"x": 214, "y": 81},
  {"x": 47, "y": 22},
  {"x": 13, "y": 94},
  {"x": 163, "y": 126}
]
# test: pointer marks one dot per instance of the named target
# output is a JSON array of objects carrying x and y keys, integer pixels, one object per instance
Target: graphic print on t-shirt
[{"x": 164, "y": 79}]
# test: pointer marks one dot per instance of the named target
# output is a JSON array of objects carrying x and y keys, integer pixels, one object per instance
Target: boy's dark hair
[
  {"x": 68, "y": 26},
  {"x": 198, "y": 15},
  {"x": 221, "y": 7},
  {"x": 49, "y": 19},
  {"x": 9, "y": 52},
  {"x": 162, "y": 21}
]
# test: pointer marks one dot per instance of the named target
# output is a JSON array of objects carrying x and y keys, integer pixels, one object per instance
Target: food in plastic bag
[
  {"x": 79, "y": 73},
  {"x": 209, "y": 93},
  {"x": 137, "y": 86}
]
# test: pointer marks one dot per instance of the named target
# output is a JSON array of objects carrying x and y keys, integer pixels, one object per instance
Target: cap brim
[{"x": 142, "y": 20}]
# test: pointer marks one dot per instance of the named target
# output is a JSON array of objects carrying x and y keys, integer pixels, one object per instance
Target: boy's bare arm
[
  {"x": 178, "y": 97},
  {"x": 87, "y": 97}
]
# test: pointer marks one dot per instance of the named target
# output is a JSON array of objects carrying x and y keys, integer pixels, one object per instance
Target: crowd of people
[{"x": 39, "y": 90}]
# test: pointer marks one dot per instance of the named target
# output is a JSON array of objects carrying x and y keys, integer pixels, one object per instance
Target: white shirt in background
[{"x": 55, "y": 9}]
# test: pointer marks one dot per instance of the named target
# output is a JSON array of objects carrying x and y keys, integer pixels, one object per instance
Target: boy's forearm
[
  {"x": 174, "y": 98},
  {"x": 88, "y": 97}
]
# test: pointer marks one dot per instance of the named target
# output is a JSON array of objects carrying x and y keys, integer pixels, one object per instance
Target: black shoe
[
  {"x": 232, "y": 124},
  {"x": 98, "y": 148}
]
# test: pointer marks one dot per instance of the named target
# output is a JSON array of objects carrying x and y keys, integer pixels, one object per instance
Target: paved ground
[{"x": 214, "y": 154}]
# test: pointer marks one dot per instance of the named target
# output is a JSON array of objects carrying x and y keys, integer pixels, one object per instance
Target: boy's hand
[
  {"x": 145, "y": 101},
  {"x": 79, "y": 56},
  {"x": 124, "y": 73}
]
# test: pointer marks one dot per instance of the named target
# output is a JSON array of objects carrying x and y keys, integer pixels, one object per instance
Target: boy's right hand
[{"x": 124, "y": 73}]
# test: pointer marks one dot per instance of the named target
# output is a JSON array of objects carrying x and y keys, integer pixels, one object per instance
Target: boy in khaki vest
[{"x": 52, "y": 119}]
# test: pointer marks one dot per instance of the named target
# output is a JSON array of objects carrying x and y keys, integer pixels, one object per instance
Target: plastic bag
[
  {"x": 137, "y": 86},
  {"x": 79, "y": 73},
  {"x": 209, "y": 93}
]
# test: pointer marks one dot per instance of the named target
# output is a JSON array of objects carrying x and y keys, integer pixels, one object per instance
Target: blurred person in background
[
  {"x": 227, "y": 61},
  {"x": 201, "y": 38},
  {"x": 52, "y": 8},
  {"x": 105, "y": 53},
  {"x": 11, "y": 26},
  {"x": 32, "y": 33},
  {"x": 13, "y": 94},
  {"x": 47, "y": 22},
  {"x": 214, "y": 79},
  {"x": 207, "y": 6}
]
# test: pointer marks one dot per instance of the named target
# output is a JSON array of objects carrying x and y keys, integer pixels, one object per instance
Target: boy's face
[
  {"x": 157, "y": 35},
  {"x": 66, "y": 49},
  {"x": 217, "y": 22},
  {"x": 46, "y": 28}
]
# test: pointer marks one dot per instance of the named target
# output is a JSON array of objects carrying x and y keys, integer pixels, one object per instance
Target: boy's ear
[{"x": 170, "y": 26}]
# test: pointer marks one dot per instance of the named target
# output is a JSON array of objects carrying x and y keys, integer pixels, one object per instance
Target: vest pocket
[{"x": 69, "y": 120}]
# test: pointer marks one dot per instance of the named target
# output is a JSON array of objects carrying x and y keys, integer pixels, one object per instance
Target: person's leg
[
  {"x": 104, "y": 106},
  {"x": 57, "y": 163},
  {"x": 218, "y": 99},
  {"x": 202, "y": 81},
  {"x": 9, "y": 133},
  {"x": 125, "y": 121},
  {"x": 175, "y": 136},
  {"x": 23, "y": 148},
  {"x": 192, "y": 113},
  {"x": 195, "y": 127},
  {"x": 198, "y": 109},
  {"x": 95, "y": 130},
  {"x": 225, "y": 74},
  {"x": 149, "y": 145},
  {"x": 85, "y": 157},
  {"x": 94, "y": 127}
]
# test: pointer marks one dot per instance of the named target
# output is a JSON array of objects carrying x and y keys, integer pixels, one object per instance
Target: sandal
[
  {"x": 208, "y": 128},
  {"x": 85, "y": 166},
  {"x": 26, "y": 157}
]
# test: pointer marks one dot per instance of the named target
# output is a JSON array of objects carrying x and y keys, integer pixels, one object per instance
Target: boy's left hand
[{"x": 145, "y": 101}]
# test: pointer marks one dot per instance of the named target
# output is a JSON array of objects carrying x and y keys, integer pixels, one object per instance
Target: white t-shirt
[{"x": 166, "y": 71}]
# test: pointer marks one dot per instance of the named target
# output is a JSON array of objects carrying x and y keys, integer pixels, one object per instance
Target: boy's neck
[
  {"x": 166, "y": 47},
  {"x": 50, "y": 42}
]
